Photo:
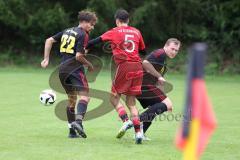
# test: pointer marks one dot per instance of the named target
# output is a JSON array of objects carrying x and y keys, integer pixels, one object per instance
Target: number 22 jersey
[{"x": 72, "y": 40}]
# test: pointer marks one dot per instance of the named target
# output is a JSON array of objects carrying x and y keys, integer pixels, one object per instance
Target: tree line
[{"x": 25, "y": 24}]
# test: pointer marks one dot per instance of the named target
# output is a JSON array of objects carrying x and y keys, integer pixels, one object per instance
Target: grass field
[{"x": 29, "y": 130}]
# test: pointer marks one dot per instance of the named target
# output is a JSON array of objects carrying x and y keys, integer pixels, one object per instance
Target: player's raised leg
[
  {"x": 81, "y": 110},
  {"x": 154, "y": 110},
  {"x": 131, "y": 103},
  {"x": 127, "y": 124}
]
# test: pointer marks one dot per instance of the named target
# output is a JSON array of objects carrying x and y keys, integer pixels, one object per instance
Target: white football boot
[{"x": 126, "y": 125}]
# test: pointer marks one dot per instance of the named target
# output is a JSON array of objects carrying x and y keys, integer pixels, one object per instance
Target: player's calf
[
  {"x": 71, "y": 118},
  {"x": 152, "y": 111},
  {"x": 81, "y": 110}
]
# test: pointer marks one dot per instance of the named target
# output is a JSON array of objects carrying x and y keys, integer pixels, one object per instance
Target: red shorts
[{"x": 128, "y": 78}]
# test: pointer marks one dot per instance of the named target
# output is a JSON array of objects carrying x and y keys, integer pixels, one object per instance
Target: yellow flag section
[
  {"x": 190, "y": 150},
  {"x": 202, "y": 122}
]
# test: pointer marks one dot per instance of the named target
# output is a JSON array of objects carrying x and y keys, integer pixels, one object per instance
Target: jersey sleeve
[
  {"x": 107, "y": 36},
  {"x": 57, "y": 37},
  {"x": 156, "y": 57},
  {"x": 151, "y": 57},
  {"x": 93, "y": 42},
  {"x": 81, "y": 42}
]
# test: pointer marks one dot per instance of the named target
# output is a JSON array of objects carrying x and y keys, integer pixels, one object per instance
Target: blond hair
[{"x": 173, "y": 40}]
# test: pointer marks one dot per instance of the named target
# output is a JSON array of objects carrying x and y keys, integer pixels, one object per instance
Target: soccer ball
[{"x": 47, "y": 97}]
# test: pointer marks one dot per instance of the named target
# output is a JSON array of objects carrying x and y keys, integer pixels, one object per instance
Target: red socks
[
  {"x": 136, "y": 124},
  {"x": 122, "y": 114}
]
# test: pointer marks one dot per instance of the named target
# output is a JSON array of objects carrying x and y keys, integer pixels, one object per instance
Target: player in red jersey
[{"x": 126, "y": 42}]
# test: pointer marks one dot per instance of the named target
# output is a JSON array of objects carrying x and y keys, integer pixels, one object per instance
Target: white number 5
[{"x": 127, "y": 40}]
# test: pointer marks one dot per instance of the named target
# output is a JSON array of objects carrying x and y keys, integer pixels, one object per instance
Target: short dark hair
[
  {"x": 88, "y": 16},
  {"x": 122, "y": 15}
]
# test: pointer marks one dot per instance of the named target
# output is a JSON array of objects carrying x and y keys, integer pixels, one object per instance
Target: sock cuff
[
  {"x": 164, "y": 107},
  {"x": 83, "y": 101},
  {"x": 135, "y": 120},
  {"x": 136, "y": 124},
  {"x": 71, "y": 109},
  {"x": 121, "y": 109},
  {"x": 122, "y": 113}
]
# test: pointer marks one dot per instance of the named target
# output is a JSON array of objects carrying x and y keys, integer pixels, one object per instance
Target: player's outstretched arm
[
  {"x": 47, "y": 49},
  {"x": 93, "y": 42},
  {"x": 150, "y": 69}
]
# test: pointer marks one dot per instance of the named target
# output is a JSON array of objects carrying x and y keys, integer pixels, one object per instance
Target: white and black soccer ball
[{"x": 47, "y": 97}]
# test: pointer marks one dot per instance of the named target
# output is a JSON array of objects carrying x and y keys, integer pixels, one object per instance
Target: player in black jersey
[
  {"x": 71, "y": 70},
  {"x": 152, "y": 97}
]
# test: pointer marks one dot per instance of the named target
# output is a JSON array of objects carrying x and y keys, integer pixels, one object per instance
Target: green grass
[{"x": 29, "y": 130}]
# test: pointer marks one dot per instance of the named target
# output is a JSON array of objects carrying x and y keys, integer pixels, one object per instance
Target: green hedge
[{"x": 24, "y": 25}]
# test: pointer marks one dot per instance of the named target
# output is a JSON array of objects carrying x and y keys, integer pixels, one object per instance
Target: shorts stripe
[
  {"x": 157, "y": 92},
  {"x": 84, "y": 80}
]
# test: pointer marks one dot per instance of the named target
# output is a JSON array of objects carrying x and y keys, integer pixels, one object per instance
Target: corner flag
[{"x": 199, "y": 120}]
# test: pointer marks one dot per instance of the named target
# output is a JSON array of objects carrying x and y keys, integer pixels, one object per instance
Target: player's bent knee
[
  {"x": 168, "y": 103},
  {"x": 170, "y": 107},
  {"x": 114, "y": 99}
]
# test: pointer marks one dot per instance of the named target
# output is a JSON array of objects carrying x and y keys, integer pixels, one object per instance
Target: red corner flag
[{"x": 199, "y": 120}]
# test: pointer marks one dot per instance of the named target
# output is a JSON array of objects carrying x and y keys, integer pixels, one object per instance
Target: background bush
[{"x": 25, "y": 24}]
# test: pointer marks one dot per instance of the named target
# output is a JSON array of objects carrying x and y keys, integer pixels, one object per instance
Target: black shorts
[
  {"x": 150, "y": 95},
  {"x": 74, "y": 82}
]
